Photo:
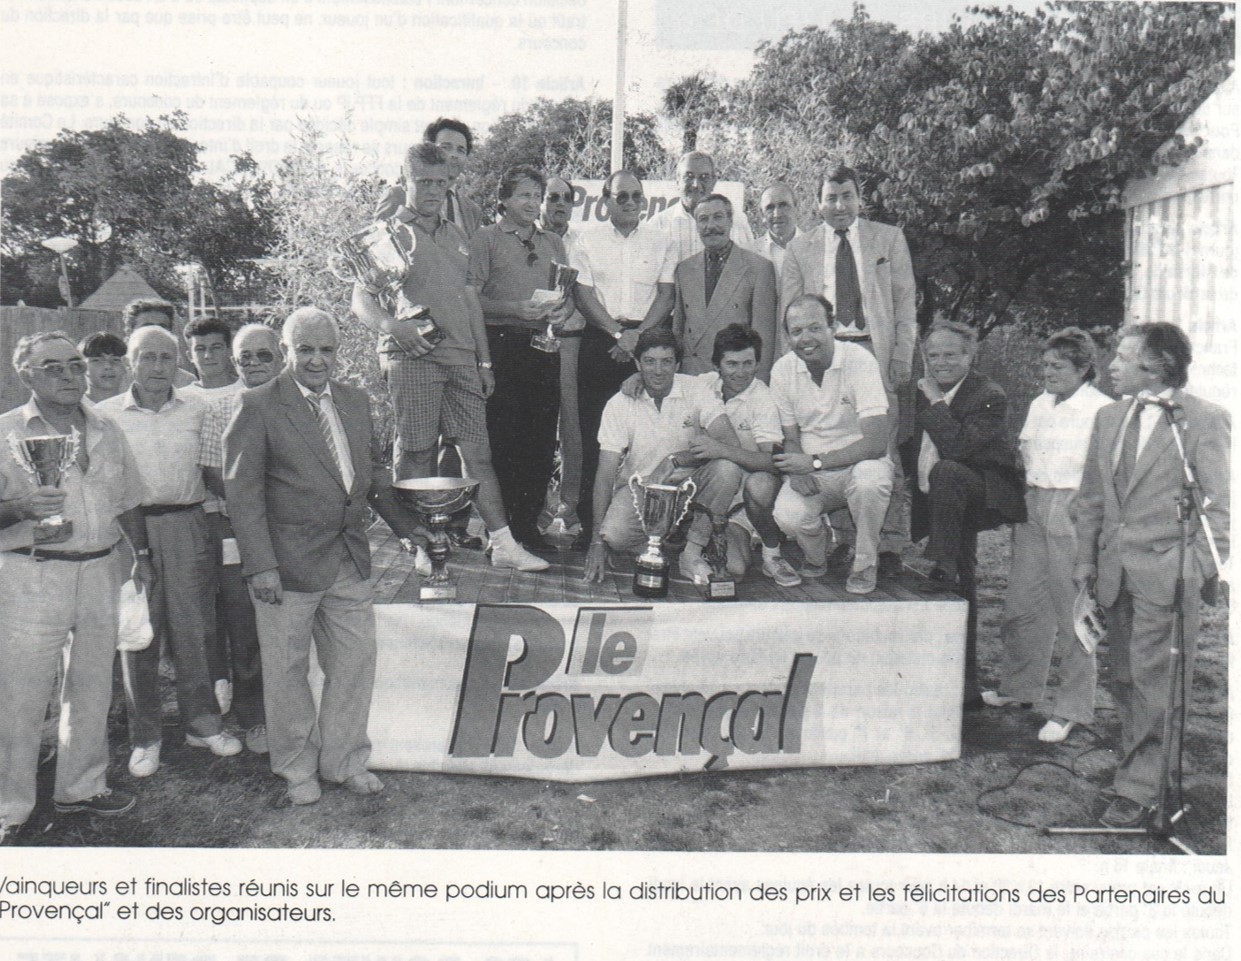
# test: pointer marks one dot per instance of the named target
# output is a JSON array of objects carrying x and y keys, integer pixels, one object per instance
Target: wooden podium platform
[{"x": 479, "y": 583}]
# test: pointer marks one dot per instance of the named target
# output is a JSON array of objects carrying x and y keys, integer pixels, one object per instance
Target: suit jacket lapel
[
  {"x": 696, "y": 288},
  {"x": 730, "y": 277},
  {"x": 865, "y": 265},
  {"x": 1158, "y": 442},
  {"x": 297, "y": 408},
  {"x": 353, "y": 419}
]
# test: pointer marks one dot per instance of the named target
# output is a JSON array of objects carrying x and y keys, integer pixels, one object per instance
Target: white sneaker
[
  {"x": 144, "y": 761},
  {"x": 515, "y": 556},
  {"x": 221, "y": 745},
  {"x": 781, "y": 571},
  {"x": 224, "y": 694}
]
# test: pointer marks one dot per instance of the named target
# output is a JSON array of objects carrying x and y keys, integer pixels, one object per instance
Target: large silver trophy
[
  {"x": 661, "y": 507},
  {"x": 437, "y": 499},
  {"x": 379, "y": 257},
  {"x": 46, "y": 459},
  {"x": 560, "y": 280}
]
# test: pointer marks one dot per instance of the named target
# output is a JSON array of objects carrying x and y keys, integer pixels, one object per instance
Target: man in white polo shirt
[
  {"x": 651, "y": 435},
  {"x": 833, "y": 409}
]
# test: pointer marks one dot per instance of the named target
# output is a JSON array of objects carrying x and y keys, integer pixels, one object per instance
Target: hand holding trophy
[
  {"x": 46, "y": 459},
  {"x": 560, "y": 281}
]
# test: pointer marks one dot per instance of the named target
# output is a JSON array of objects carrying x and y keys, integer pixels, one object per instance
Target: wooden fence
[{"x": 17, "y": 322}]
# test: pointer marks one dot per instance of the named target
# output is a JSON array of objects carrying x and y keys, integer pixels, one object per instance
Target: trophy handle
[
  {"x": 685, "y": 496},
  {"x": 635, "y": 488}
]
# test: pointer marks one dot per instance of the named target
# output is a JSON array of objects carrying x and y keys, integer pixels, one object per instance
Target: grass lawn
[{"x": 199, "y": 801}]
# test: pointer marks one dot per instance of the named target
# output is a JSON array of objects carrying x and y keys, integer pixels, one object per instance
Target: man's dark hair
[
  {"x": 840, "y": 174},
  {"x": 424, "y": 153},
  {"x": 728, "y": 204},
  {"x": 1167, "y": 351},
  {"x": 102, "y": 343},
  {"x": 607, "y": 184},
  {"x": 146, "y": 305},
  {"x": 205, "y": 327},
  {"x": 829, "y": 312},
  {"x": 733, "y": 338},
  {"x": 448, "y": 123},
  {"x": 657, "y": 337},
  {"x": 515, "y": 175},
  {"x": 1077, "y": 347}
]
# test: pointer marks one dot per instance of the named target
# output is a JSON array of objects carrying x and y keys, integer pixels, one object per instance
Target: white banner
[
  {"x": 589, "y": 209},
  {"x": 565, "y": 692}
]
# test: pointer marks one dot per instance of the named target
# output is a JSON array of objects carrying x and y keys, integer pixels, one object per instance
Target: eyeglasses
[
  {"x": 560, "y": 198},
  {"x": 53, "y": 368},
  {"x": 246, "y": 358},
  {"x": 532, "y": 257},
  {"x": 625, "y": 196}
]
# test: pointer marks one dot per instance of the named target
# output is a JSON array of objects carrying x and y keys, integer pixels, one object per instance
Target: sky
[{"x": 245, "y": 70}]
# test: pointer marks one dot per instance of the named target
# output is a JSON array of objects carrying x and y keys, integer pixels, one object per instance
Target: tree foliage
[
  {"x": 568, "y": 138},
  {"x": 1001, "y": 145},
  {"x": 141, "y": 183}
]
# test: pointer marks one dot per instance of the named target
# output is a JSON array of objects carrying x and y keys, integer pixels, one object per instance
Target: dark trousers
[
  {"x": 521, "y": 423},
  {"x": 236, "y": 611},
  {"x": 599, "y": 377},
  {"x": 958, "y": 510}
]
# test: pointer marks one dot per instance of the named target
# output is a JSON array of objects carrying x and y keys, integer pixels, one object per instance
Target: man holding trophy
[
  {"x": 648, "y": 440},
  {"x": 69, "y": 489},
  {"x": 438, "y": 366},
  {"x": 518, "y": 270}
]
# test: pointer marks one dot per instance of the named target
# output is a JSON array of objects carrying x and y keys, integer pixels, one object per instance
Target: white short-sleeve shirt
[
  {"x": 1055, "y": 437},
  {"x": 645, "y": 434},
  {"x": 752, "y": 413},
  {"x": 829, "y": 414},
  {"x": 624, "y": 271}
]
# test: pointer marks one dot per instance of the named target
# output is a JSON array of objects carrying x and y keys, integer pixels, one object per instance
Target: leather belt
[
  {"x": 41, "y": 554},
  {"x": 853, "y": 338},
  {"x": 158, "y": 510},
  {"x": 566, "y": 334}
]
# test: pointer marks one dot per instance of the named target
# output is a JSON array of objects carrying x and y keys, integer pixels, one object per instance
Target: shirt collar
[
  {"x": 713, "y": 380},
  {"x": 131, "y": 399},
  {"x": 721, "y": 255},
  {"x": 508, "y": 227},
  {"x": 677, "y": 390},
  {"x": 310, "y": 395},
  {"x": 1077, "y": 399},
  {"x": 850, "y": 231},
  {"x": 771, "y": 239}
]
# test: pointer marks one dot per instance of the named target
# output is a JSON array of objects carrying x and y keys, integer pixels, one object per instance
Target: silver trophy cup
[
  {"x": 46, "y": 459},
  {"x": 660, "y": 507},
  {"x": 437, "y": 499},
  {"x": 559, "y": 278},
  {"x": 379, "y": 257}
]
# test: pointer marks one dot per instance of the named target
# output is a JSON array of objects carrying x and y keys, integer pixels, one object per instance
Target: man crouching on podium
[{"x": 650, "y": 435}]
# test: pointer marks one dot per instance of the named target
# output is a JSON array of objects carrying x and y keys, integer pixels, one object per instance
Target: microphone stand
[{"x": 1189, "y": 502}]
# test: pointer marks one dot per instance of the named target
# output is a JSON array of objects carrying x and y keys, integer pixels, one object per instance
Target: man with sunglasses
[
  {"x": 624, "y": 286},
  {"x": 72, "y": 584},
  {"x": 510, "y": 263},
  {"x": 256, "y": 354},
  {"x": 696, "y": 177}
]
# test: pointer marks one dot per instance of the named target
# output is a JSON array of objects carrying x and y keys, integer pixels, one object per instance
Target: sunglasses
[
  {"x": 246, "y": 358},
  {"x": 560, "y": 198},
  {"x": 625, "y": 196},
  {"x": 532, "y": 257}
]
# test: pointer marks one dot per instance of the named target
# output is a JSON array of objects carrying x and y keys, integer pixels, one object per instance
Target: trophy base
[
  {"x": 437, "y": 592},
  {"x": 545, "y": 343},
  {"x": 650, "y": 581},
  {"x": 721, "y": 590},
  {"x": 53, "y": 531}
]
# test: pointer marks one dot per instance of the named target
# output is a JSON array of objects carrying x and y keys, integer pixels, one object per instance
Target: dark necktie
[
  {"x": 1129, "y": 450},
  {"x": 848, "y": 290},
  {"x": 452, "y": 213},
  {"x": 715, "y": 267}
]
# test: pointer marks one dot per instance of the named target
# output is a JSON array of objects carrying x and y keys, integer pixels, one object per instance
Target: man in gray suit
[
  {"x": 1128, "y": 543},
  {"x": 298, "y": 476},
  {"x": 720, "y": 285},
  {"x": 864, "y": 270}
]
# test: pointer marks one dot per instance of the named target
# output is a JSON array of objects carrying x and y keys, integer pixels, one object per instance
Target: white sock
[
  {"x": 502, "y": 537},
  {"x": 770, "y": 553}
]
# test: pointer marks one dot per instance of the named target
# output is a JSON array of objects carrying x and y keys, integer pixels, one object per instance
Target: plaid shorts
[{"x": 431, "y": 399}]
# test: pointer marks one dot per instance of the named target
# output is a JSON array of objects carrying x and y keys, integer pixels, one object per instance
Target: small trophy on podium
[
  {"x": 560, "y": 281},
  {"x": 437, "y": 499},
  {"x": 720, "y": 586},
  {"x": 46, "y": 459},
  {"x": 379, "y": 257},
  {"x": 661, "y": 507}
]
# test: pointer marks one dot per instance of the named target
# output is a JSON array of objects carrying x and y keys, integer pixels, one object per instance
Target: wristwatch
[
  {"x": 618, "y": 334},
  {"x": 485, "y": 365},
  {"x": 816, "y": 462},
  {"x": 143, "y": 552}
]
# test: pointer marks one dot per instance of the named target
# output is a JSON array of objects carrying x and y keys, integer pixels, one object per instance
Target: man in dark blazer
[
  {"x": 742, "y": 290},
  {"x": 298, "y": 473},
  {"x": 966, "y": 467},
  {"x": 1128, "y": 540}
]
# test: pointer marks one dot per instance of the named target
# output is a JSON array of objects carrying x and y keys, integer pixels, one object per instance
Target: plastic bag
[{"x": 134, "y": 632}]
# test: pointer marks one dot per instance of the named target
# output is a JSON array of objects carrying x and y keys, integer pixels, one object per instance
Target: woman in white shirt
[{"x": 1039, "y": 606}]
